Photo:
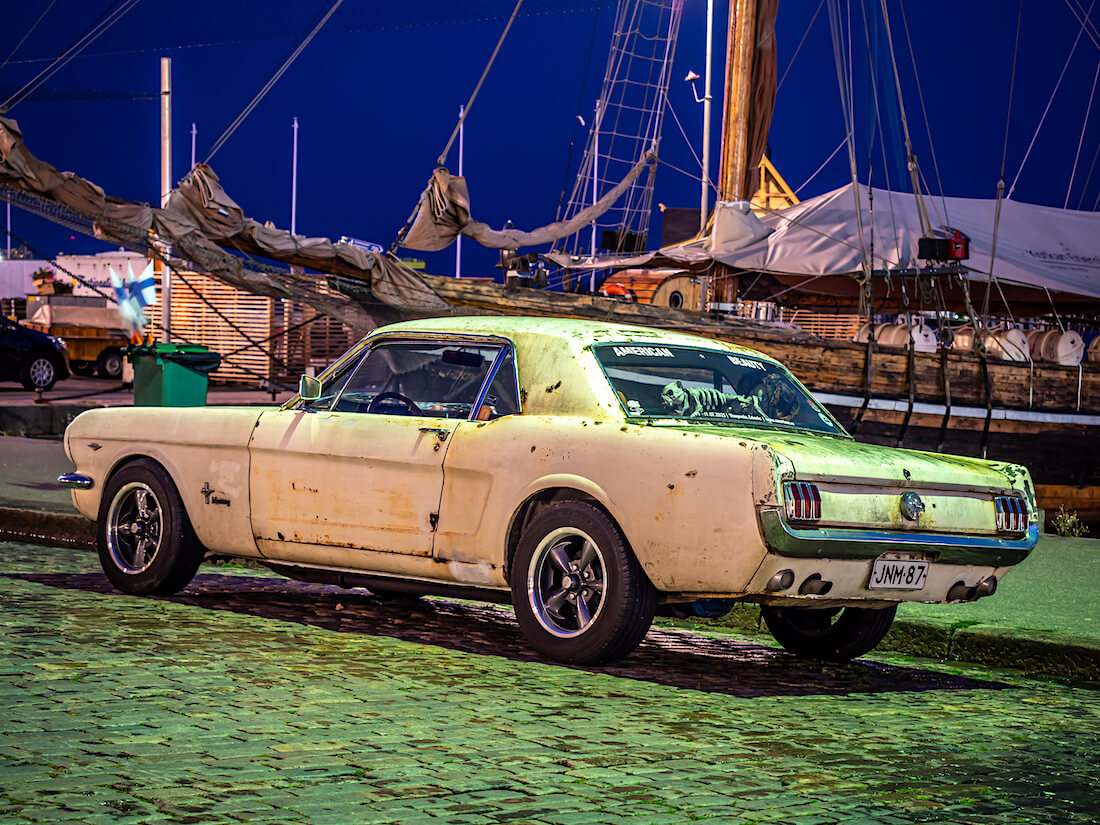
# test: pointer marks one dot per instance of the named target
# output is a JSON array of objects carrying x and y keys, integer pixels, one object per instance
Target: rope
[
  {"x": 270, "y": 83},
  {"x": 680, "y": 126},
  {"x": 34, "y": 26},
  {"x": 1012, "y": 86},
  {"x": 846, "y": 107},
  {"x": 806, "y": 182},
  {"x": 101, "y": 25},
  {"x": 806, "y": 34},
  {"x": 470, "y": 104},
  {"x": 1004, "y": 157},
  {"x": 1042, "y": 120},
  {"x": 1088, "y": 178},
  {"x": 918, "y": 194},
  {"x": 1081, "y": 140},
  {"x": 1082, "y": 17},
  {"x": 580, "y": 120},
  {"x": 924, "y": 112}
]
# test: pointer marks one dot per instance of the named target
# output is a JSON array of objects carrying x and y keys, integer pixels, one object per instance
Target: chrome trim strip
[
  {"x": 75, "y": 480},
  {"x": 844, "y": 543}
]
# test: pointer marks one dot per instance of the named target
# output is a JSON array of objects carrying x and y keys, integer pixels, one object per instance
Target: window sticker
[
  {"x": 649, "y": 352},
  {"x": 747, "y": 362}
]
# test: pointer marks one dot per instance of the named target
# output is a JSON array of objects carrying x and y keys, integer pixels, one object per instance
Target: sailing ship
[{"x": 962, "y": 399}]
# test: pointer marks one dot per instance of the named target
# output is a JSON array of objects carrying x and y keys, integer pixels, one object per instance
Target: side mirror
[{"x": 309, "y": 388}]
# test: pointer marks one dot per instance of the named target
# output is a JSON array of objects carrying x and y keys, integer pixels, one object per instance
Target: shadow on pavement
[{"x": 680, "y": 659}]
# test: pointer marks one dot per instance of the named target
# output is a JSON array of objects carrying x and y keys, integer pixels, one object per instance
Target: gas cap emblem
[{"x": 911, "y": 506}]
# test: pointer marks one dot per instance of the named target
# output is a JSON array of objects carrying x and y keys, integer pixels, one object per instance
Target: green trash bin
[{"x": 172, "y": 375}]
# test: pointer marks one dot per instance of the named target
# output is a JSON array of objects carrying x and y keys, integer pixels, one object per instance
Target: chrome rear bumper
[{"x": 842, "y": 543}]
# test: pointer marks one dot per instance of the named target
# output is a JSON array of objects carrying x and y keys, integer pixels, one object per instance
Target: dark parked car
[{"x": 33, "y": 358}]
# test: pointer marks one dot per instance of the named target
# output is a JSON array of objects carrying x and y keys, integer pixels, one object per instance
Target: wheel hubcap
[
  {"x": 134, "y": 525},
  {"x": 565, "y": 582},
  {"x": 41, "y": 372}
]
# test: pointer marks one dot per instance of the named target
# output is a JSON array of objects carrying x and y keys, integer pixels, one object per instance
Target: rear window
[{"x": 703, "y": 385}]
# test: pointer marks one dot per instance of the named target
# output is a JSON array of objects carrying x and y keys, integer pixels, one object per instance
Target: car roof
[{"x": 578, "y": 333}]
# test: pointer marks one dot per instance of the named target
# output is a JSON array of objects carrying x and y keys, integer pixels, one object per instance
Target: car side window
[
  {"x": 433, "y": 379},
  {"x": 501, "y": 399}
]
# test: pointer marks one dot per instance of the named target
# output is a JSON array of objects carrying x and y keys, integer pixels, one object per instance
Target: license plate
[{"x": 898, "y": 574}]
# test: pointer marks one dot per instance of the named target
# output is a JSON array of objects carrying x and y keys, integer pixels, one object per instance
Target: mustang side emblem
[
  {"x": 207, "y": 491},
  {"x": 911, "y": 506}
]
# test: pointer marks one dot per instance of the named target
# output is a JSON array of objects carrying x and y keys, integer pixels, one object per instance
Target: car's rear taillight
[
  {"x": 1011, "y": 514},
  {"x": 803, "y": 501}
]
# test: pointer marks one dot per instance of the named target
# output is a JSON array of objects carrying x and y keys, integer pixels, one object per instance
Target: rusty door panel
[{"x": 347, "y": 480}]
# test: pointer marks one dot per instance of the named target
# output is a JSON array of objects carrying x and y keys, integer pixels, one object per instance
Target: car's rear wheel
[
  {"x": 109, "y": 364},
  {"x": 834, "y": 634},
  {"x": 580, "y": 595},
  {"x": 145, "y": 541},
  {"x": 39, "y": 372}
]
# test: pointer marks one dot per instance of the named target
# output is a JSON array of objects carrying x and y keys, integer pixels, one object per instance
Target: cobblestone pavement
[{"x": 249, "y": 698}]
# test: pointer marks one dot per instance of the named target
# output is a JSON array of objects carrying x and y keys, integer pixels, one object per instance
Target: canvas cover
[{"x": 49, "y": 315}]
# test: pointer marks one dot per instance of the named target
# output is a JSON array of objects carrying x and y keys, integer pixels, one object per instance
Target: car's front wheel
[
  {"x": 834, "y": 634},
  {"x": 580, "y": 595},
  {"x": 145, "y": 541},
  {"x": 39, "y": 372}
]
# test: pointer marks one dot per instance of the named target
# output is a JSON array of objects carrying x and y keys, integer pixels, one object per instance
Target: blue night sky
[{"x": 377, "y": 93}]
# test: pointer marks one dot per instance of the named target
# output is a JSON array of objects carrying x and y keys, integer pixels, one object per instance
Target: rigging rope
[
  {"x": 1057, "y": 85},
  {"x": 580, "y": 120},
  {"x": 846, "y": 107},
  {"x": 806, "y": 34},
  {"x": 806, "y": 182},
  {"x": 924, "y": 113},
  {"x": 1081, "y": 140},
  {"x": 922, "y": 210},
  {"x": 1083, "y": 18},
  {"x": 105, "y": 21},
  {"x": 694, "y": 154},
  {"x": 1004, "y": 156},
  {"x": 270, "y": 83},
  {"x": 470, "y": 103},
  {"x": 34, "y": 26}
]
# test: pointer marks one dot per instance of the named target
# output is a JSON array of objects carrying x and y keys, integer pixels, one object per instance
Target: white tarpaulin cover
[{"x": 1037, "y": 246}]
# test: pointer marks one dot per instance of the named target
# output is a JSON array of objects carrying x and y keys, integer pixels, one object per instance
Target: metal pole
[
  {"x": 165, "y": 187},
  {"x": 458, "y": 240},
  {"x": 705, "y": 202},
  {"x": 595, "y": 194},
  {"x": 9, "y": 230},
  {"x": 194, "y": 131},
  {"x": 294, "y": 183}
]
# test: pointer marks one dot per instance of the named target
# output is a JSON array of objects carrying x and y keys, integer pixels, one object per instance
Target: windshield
[{"x": 707, "y": 385}]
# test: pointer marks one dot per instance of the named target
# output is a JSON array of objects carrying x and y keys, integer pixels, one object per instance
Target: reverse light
[
  {"x": 1011, "y": 514},
  {"x": 803, "y": 501}
]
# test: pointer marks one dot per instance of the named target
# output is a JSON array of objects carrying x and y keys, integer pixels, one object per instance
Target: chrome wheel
[
  {"x": 135, "y": 524},
  {"x": 565, "y": 582},
  {"x": 41, "y": 372}
]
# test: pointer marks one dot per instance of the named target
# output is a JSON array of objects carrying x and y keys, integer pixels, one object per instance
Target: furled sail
[
  {"x": 201, "y": 221},
  {"x": 443, "y": 214}
]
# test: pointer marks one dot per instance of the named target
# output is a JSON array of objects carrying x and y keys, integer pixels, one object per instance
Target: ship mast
[
  {"x": 741, "y": 44},
  {"x": 750, "y": 49}
]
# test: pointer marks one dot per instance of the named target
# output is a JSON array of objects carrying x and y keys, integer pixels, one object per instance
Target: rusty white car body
[{"x": 588, "y": 473}]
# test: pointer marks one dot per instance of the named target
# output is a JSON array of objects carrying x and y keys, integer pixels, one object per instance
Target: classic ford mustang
[{"x": 588, "y": 473}]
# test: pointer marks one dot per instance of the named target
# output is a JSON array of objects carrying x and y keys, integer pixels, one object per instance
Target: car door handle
[{"x": 439, "y": 432}]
